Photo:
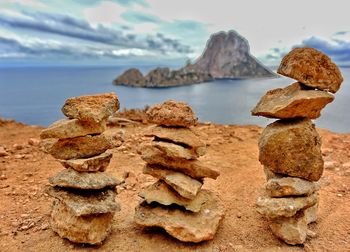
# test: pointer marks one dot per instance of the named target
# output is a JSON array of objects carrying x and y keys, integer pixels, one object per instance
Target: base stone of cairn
[
  {"x": 176, "y": 202},
  {"x": 84, "y": 194},
  {"x": 290, "y": 148}
]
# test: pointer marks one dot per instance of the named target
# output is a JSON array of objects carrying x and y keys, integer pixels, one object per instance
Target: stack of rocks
[
  {"x": 176, "y": 201},
  {"x": 290, "y": 148},
  {"x": 84, "y": 194}
]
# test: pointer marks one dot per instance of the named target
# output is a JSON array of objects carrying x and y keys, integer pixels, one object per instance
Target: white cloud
[{"x": 106, "y": 13}]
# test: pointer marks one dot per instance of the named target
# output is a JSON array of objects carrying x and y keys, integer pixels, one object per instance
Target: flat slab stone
[
  {"x": 291, "y": 102},
  {"x": 78, "y": 147},
  {"x": 192, "y": 168},
  {"x": 92, "y": 164},
  {"x": 172, "y": 113},
  {"x": 91, "y": 229},
  {"x": 292, "y": 147},
  {"x": 183, "y": 225},
  {"x": 311, "y": 213},
  {"x": 273, "y": 208},
  {"x": 182, "y": 136},
  {"x": 291, "y": 230},
  {"x": 173, "y": 150},
  {"x": 270, "y": 174},
  {"x": 70, "y": 178},
  {"x": 290, "y": 186},
  {"x": 184, "y": 185},
  {"x": 95, "y": 108},
  {"x": 70, "y": 128},
  {"x": 311, "y": 67},
  {"x": 82, "y": 203},
  {"x": 163, "y": 194}
]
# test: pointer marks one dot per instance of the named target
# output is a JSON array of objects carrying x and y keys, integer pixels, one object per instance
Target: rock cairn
[
  {"x": 84, "y": 194},
  {"x": 177, "y": 202},
  {"x": 290, "y": 148}
]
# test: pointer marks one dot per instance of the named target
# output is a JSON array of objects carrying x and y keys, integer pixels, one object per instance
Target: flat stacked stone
[
  {"x": 290, "y": 148},
  {"x": 176, "y": 202},
  {"x": 84, "y": 194}
]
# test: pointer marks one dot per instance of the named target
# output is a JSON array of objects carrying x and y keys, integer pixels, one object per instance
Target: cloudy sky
[{"x": 78, "y": 32}]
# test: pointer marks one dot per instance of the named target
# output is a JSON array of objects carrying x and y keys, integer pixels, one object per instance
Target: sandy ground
[{"x": 24, "y": 208}]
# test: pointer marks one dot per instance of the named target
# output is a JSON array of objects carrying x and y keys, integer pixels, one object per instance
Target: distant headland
[{"x": 226, "y": 56}]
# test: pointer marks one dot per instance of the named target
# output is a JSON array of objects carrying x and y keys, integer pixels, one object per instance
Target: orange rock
[
  {"x": 292, "y": 101},
  {"x": 311, "y": 67},
  {"x": 172, "y": 113}
]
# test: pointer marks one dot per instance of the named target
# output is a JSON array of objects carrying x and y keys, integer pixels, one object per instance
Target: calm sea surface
[{"x": 35, "y": 95}]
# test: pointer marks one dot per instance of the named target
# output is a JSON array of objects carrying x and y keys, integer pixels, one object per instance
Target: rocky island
[{"x": 226, "y": 56}]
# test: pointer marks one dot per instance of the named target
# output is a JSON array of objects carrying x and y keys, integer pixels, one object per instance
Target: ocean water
[{"x": 34, "y": 95}]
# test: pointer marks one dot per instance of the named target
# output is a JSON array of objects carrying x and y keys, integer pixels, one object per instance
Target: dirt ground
[{"x": 24, "y": 208}]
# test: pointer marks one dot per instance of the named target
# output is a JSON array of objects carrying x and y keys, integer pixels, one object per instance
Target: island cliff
[{"x": 226, "y": 55}]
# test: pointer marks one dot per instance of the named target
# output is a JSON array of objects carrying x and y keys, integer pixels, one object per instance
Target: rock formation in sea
[
  {"x": 226, "y": 56},
  {"x": 290, "y": 148}
]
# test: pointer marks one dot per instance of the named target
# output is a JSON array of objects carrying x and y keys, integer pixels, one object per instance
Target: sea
[{"x": 35, "y": 95}]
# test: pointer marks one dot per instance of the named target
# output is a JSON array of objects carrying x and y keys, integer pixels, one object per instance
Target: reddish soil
[{"x": 24, "y": 208}]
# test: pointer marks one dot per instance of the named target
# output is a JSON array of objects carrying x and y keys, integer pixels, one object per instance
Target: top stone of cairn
[
  {"x": 312, "y": 68},
  {"x": 172, "y": 113},
  {"x": 96, "y": 108}
]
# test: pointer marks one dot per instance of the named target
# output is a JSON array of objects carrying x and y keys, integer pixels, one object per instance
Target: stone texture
[
  {"x": 291, "y": 102},
  {"x": 273, "y": 208},
  {"x": 86, "y": 202},
  {"x": 183, "y": 225},
  {"x": 290, "y": 186},
  {"x": 311, "y": 213},
  {"x": 70, "y": 128},
  {"x": 292, "y": 147},
  {"x": 92, "y": 164},
  {"x": 95, "y": 108},
  {"x": 165, "y": 195},
  {"x": 182, "y": 136},
  {"x": 311, "y": 67},
  {"x": 291, "y": 230},
  {"x": 70, "y": 178},
  {"x": 173, "y": 150},
  {"x": 172, "y": 113},
  {"x": 78, "y": 147},
  {"x": 192, "y": 168},
  {"x": 184, "y": 185},
  {"x": 270, "y": 174},
  {"x": 91, "y": 229}
]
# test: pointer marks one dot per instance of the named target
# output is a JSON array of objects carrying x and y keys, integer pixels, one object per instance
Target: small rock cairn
[
  {"x": 176, "y": 201},
  {"x": 290, "y": 148},
  {"x": 84, "y": 194}
]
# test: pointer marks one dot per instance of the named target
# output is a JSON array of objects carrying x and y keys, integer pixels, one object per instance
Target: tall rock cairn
[
  {"x": 84, "y": 194},
  {"x": 177, "y": 202},
  {"x": 290, "y": 148}
]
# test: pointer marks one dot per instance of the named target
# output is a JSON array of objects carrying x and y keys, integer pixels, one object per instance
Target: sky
[{"x": 167, "y": 32}]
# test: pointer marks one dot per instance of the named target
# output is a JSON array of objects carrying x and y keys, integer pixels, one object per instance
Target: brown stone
[
  {"x": 192, "y": 168},
  {"x": 292, "y": 102},
  {"x": 292, "y": 147},
  {"x": 311, "y": 213},
  {"x": 182, "y": 136},
  {"x": 172, "y": 113},
  {"x": 86, "y": 202},
  {"x": 291, "y": 230},
  {"x": 95, "y": 108},
  {"x": 173, "y": 150},
  {"x": 92, "y": 164},
  {"x": 290, "y": 186},
  {"x": 78, "y": 147},
  {"x": 186, "y": 186},
  {"x": 183, "y": 225},
  {"x": 91, "y": 229},
  {"x": 163, "y": 194},
  {"x": 70, "y": 178},
  {"x": 70, "y": 128},
  {"x": 311, "y": 67},
  {"x": 273, "y": 208}
]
